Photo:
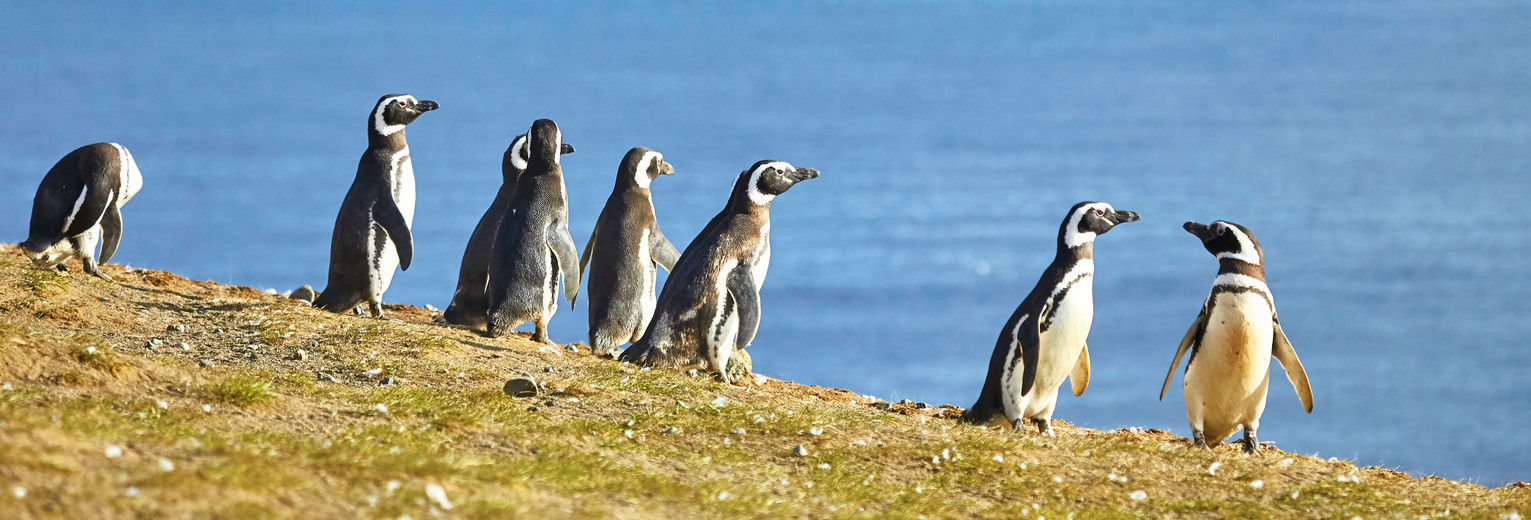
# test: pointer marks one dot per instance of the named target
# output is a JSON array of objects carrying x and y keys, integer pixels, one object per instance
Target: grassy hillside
[{"x": 156, "y": 396}]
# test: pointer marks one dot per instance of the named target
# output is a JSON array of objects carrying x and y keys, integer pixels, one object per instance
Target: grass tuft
[{"x": 240, "y": 390}]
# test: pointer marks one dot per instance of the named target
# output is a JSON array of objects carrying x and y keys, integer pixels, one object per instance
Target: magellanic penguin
[
  {"x": 532, "y": 247},
  {"x": 470, "y": 302},
  {"x": 79, "y": 204},
  {"x": 623, "y": 251},
  {"x": 1232, "y": 342},
  {"x": 710, "y": 304},
  {"x": 372, "y": 229},
  {"x": 1044, "y": 340}
]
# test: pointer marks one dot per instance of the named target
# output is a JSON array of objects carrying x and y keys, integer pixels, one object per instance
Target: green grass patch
[{"x": 240, "y": 390}]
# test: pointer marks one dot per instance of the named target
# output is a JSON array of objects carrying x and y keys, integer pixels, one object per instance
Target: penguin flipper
[
  {"x": 1191, "y": 336},
  {"x": 387, "y": 214},
  {"x": 91, "y": 207},
  {"x": 563, "y": 249},
  {"x": 662, "y": 251},
  {"x": 1080, "y": 377},
  {"x": 111, "y": 230},
  {"x": 741, "y": 286},
  {"x": 1281, "y": 348},
  {"x": 584, "y": 258},
  {"x": 1031, "y": 345}
]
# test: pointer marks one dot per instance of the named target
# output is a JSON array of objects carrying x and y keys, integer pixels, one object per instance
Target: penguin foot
[
  {"x": 93, "y": 270},
  {"x": 1044, "y": 427},
  {"x": 62, "y": 268},
  {"x": 377, "y": 309},
  {"x": 1251, "y": 445},
  {"x": 1199, "y": 440},
  {"x": 1019, "y": 425},
  {"x": 541, "y": 336}
]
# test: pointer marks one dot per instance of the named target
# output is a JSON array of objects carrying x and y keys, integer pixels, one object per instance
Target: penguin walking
[
  {"x": 470, "y": 302},
  {"x": 623, "y": 251},
  {"x": 532, "y": 246},
  {"x": 372, "y": 229},
  {"x": 79, "y": 205},
  {"x": 1044, "y": 340},
  {"x": 1232, "y": 342},
  {"x": 710, "y": 304}
]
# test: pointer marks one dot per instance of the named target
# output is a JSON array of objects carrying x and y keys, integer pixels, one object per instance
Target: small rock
[
  {"x": 132, "y": 491},
  {"x": 824, "y": 465},
  {"x": 431, "y": 308},
  {"x": 217, "y": 331},
  {"x": 176, "y": 328},
  {"x": 800, "y": 451},
  {"x": 816, "y": 431},
  {"x": 999, "y": 458},
  {"x": 1257, "y": 484},
  {"x": 437, "y": 495},
  {"x": 372, "y": 372},
  {"x": 113, "y": 451},
  {"x": 270, "y": 292},
  {"x": 883, "y": 406},
  {"x": 921, "y": 406},
  {"x": 760, "y": 380},
  {"x": 532, "y": 408},
  {"x": 521, "y": 387},
  {"x": 739, "y": 365},
  {"x": 548, "y": 349},
  {"x": 183, "y": 346},
  {"x": 166, "y": 465},
  {"x": 719, "y": 402},
  {"x": 304, "y": 293},
  {"x": 205, "y": 363},
  {"x": 19, "y": 492},
  {"x": 1212, "y": 470},
  {"x": 380, "y": 408},
  {"x": 547, "y": 370},
  {"x": 252, "y": 356},
  {"x": 671, "y": 430},
  {"x": 738, "y": 431},
  {"x": 162, "y": 404},
  {"x": 386, "y": 381},
  {"x": 1137, "y": 495},
  {"x": 300, "y": 355},
  {"x": 906, "y": 401},
  {"x": 326, "y": 377},
  {"x": 207, "y": 408},
  {"x": 571, "y": 348},
  {"x": 1285, "y": 462}
]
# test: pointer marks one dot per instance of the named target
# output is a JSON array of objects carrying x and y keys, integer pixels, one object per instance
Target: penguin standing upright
[
  {"x": 710, "y": 304},
  {"x": 1232, "y": 342},
  {"x": 622, "y": 253},
  {"x": 470, "y": 303},
  {"x": 532, "y": 246},
  {"x": 78, "y": 204},
  {"x": 1044, "y": 340},
  {"x": 372, "y": 229}
]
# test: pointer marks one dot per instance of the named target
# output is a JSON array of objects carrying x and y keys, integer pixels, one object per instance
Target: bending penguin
[
  {"x": 710, "y": 304},
  {"x": 532, "y": 246},
  {"x": 372, "y": 230},
  {"x": 623, "y": 251},
  {"x": 79, "y": 204},
  {"x": 1232, "y": 342},
  {"x": 470, "y": 302},
  {"x": 1044, "y": 340}
]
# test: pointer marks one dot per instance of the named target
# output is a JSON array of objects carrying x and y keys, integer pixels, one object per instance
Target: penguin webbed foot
[
  {"x": 1199, "y": 440},
  {"x": 376, "y": 308},
  {"x": 1251, "y": 444},
  {"x": 92, "y": 269},
  {"x": 61, "y": 267},
  {"x": 1044, "y": 427},
  {"x": 541, "y": 336}
]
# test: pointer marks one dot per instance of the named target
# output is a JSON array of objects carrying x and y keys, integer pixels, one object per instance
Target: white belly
[
  {"x": 1059, "y": 351},
  {"x": 1225, "y": 386},
  {"x": 401, "y": 182},
  {"x": 646, "y": 262}
]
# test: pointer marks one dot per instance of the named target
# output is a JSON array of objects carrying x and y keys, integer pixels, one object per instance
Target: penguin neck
[
  {"x": 1072, "y": 255},
  {"x": 1236, "y": 266},
  {"x": 393, "y": 141}
]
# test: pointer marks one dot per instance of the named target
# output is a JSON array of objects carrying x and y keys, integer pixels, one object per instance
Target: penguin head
[
  {"x": 767, "y": 179},
  {"x": 641, "y": 166},
  {"x": 545, "y": 142},
  {"x": 521, "y": 151},
  {"x": 1088, "y": 220},
  {"x": 1227, "y": 240},
  {"x": 393, "y": 111}
]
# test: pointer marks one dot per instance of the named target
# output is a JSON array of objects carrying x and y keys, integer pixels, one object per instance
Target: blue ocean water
[{"x": 1378, "y": 150}]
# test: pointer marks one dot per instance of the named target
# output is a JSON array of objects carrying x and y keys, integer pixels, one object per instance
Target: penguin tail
[{"x": 336, "y": 300}]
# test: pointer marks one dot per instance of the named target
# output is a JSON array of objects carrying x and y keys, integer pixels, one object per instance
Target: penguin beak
[
  {"x": 1119, "y": 216},
  {"x": 426, "y": 106},
  {"x": 666, "y": 168},
  {"x": 802, "y": 174},
  {"x": 566, "y": 149},
  {"x": 1202, "y": 231}
]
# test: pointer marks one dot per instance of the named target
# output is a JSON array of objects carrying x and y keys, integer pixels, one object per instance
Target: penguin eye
[
  {"x": 1221, "y": 230},
  {"x": 1099, "y": 212}
]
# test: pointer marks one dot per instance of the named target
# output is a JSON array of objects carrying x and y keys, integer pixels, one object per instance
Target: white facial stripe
[
  {"x": 558, "y": 146},
  {"x": 649, "y": 160},
  {"x": 1072, "y": 237},
  {"x": 520, "y": 152},
  {"x": 1246, "y": 252},
  {"x": 756, "y": 196},
  {"x": 377, "y": 115}
]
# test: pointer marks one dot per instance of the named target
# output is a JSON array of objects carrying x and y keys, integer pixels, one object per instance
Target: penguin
[
  {"x": 532, "y": 246},
  {"x": 372, "y": 229},
  {"x": 470, "y": 304},
  {"x": 623, "y": 251},
  {"x": 710, "y": 303},
  {"x": 1044, "y": 340},
  {"x": 1232, "y": 342},
  {"x": 79, "y": 205}
]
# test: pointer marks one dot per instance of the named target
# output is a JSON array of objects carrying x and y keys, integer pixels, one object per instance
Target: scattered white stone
[
  {"x": 719, "y": 402},
  {"x": 738, "y": 431},
  {"x": 6, "y": 386},
  {"x": 671, "y": 430},
  {"x": 182, "y": 345},
  {"x": 132, "y": 491},
  {"x": 692, "y": 372},
  {"x": 19, "y": 491},
  {"x": 999, "y": 458},
  {"x": 723, "y": 495},
  {"x": 1137, "y": 495},
  {"x": 548, "y": 349},
  {"x": 1212, "y": 470},
  {"x": 1295, "y": 494},
  {"x": 438, "y": 495},
  {"x": 1510, "y": 516},
  {"x": 1257, "y": 484},
  {"x": 824, "y": 466},
  {"x": 1285, "y": 462},
  {"x": 858, "y": 442},
  {"x": 935, "y": 460},
  {"x": 800, "y": 451},
  {"x": 758, "y": 419},
  {"x": 1058, "y": 479},
  {"x": 627, "y": 433},
  {"x": 946, "y": 454},
  {"x": 162, "y": 404},
  {"x": 166, "y": 465},
  {"x": 207, "y": 408},
  {"x": 113, "y": 451},
  {"x": 816, "y": 431},
  {"x": 90, "y": 350},
  {"x": 380, "y": 408},
  {"x": 760, "y": 380},
  {"x": 430, "y": 307},
  {"x": 372, "y": 372}
]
